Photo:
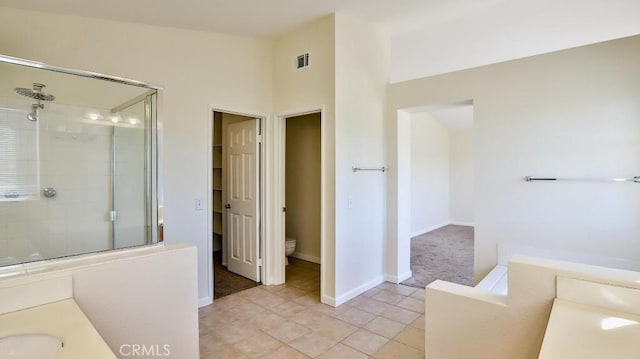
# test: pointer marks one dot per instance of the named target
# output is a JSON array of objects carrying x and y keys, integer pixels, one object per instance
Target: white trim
[
  {"x": 398, "y": 279},
  {"x": 301, "y": 112},
  {"x": 280, "y": 231},
  {"x": 356, "y": 291},
  {"x": 428, "y": 229},
  {"x": 204, "y": 301},
  {"x": 466, "y": 224},
  {"x": 209, "y": 298},
  {"x": 328, "y": 300},
  {"x": 306, "y": 257},
  {"x": 265, "y": 172}
]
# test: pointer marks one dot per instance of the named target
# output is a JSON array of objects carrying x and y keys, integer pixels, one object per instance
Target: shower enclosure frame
[
  {"x": 149, "y": 111},
  {"x": 82, "y": 73},
  {"x": 153, "y": 187}
]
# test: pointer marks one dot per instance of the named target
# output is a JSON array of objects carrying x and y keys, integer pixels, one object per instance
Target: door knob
[{"x": 227, "y": 206}]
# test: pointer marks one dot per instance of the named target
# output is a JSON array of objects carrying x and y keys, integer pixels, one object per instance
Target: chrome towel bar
[
  {"x": 381, "y": 169},
  {"x": 635, "y": 179}
]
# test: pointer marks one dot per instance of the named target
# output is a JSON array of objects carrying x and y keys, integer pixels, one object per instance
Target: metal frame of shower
[
  {"x": 147, "y": 100},
  {"x": 83, "y": 73},
  {"x": 150, "y": 112}
]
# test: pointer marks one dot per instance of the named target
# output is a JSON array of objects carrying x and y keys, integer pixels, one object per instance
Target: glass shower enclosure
[{"x": 78, "y": 162}]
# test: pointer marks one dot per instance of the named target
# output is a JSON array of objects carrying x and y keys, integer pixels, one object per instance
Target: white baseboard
[
  {"x": 328, "y": 300},
  {"x": 397, "y": 279},
  {"x": 204, "y": 301},
  {"x": 438, "y": 226},
  {"x": 466, "y": 224},
  {"x": 354, "y": 292},
  {"x": 428, "y": 229},
  {"x": 306, "y": 257}
]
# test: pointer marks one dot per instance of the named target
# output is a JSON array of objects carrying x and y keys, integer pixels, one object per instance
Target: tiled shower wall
[{"x": 74, "y": 159}]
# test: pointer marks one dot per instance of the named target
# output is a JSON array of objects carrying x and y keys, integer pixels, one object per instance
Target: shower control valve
[{"x": 49, "y": 192}]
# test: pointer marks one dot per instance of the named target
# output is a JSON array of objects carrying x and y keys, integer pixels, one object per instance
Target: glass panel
[
  {"x": 62, "y": 157},
  {"x": 129, "y": 177}
]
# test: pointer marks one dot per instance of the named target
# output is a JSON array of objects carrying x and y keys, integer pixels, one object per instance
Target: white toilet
[{"x": 289, "y": 248}]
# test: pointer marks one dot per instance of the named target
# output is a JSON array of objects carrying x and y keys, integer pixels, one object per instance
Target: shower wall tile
[
  {"x": 57, "y": 244},
  {"x": 55, "y": 212},
  {"x": 4, "y": 252},
  {"x": 18, "y": 229},
  {"x": 74, "y": 158},
  {"x": 18, "y": 247},
  {"x": 18, "y": 154}
]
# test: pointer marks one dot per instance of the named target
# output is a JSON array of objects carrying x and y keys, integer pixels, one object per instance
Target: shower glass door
[
  {"x": 78, "y": 164},
  {"x": 130, "y": 174}
]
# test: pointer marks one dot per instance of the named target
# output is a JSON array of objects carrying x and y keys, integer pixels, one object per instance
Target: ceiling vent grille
[{"x": 302, "y": 61}]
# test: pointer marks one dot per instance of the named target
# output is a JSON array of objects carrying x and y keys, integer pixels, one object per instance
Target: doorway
[
  {"x": 236, "y": 202},
  {"x": 442, "y": 209},
  {"x": 302, "y": 198}
]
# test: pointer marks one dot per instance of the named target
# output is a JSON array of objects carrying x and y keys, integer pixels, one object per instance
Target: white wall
[
  {"x": 361, "y": 78},
  {"x": 195, "y": 74},
  {"x": 441, "y": 173},
  {"x": 430, "y": 174},
  {"x": 303, "y": 185},
  {"x": 311, "y": 89},
  {"x": 397, "y": 263},
  {"x": 461, "y": 210},
  {"x": 571, "y": 113},
  {"x": 499, "y": 30},
  {"x": 137, "y": 296}
]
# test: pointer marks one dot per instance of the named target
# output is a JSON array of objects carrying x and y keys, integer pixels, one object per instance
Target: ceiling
[
  {"x": 455, "y": 117},
  {"x": 262, "y": 18}
]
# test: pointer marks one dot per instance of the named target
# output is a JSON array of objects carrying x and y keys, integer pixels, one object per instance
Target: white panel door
[{"x": 242, "y": 199}]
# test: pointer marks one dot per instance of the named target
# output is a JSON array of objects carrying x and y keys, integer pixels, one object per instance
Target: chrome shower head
[{"x": 36, "y": 93}]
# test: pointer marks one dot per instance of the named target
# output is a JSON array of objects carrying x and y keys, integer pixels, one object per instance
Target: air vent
[{"x": 302, "y": 61}]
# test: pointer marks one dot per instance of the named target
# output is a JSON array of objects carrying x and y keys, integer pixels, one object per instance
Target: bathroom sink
[{"x": 29, "y": 346}]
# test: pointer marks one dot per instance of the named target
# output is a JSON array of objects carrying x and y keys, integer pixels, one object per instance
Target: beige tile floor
[{"x": 288, "y": 321}]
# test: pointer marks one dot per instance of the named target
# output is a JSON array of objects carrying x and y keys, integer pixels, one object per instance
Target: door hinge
[
  {"x": 259, "y": 262},
  {"x": 113, "y": 216},
  {"x": 259, "y": 138}
]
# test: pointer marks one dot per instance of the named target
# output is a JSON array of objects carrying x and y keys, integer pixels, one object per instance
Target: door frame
[
  {"x": 399, "y": 234},
  {"x": 280, "y": 230},
  {"x": 264, "y": 223}
]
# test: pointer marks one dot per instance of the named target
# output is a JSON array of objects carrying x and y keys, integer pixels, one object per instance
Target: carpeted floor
[
  {"x": 445, "y": 253},
  {"x": 225, "y": 282}
]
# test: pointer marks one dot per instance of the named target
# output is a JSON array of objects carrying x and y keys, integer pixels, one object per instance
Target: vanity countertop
[
  {"x": 583, "y": 331},
  {"x": 62, "y": 319}
]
